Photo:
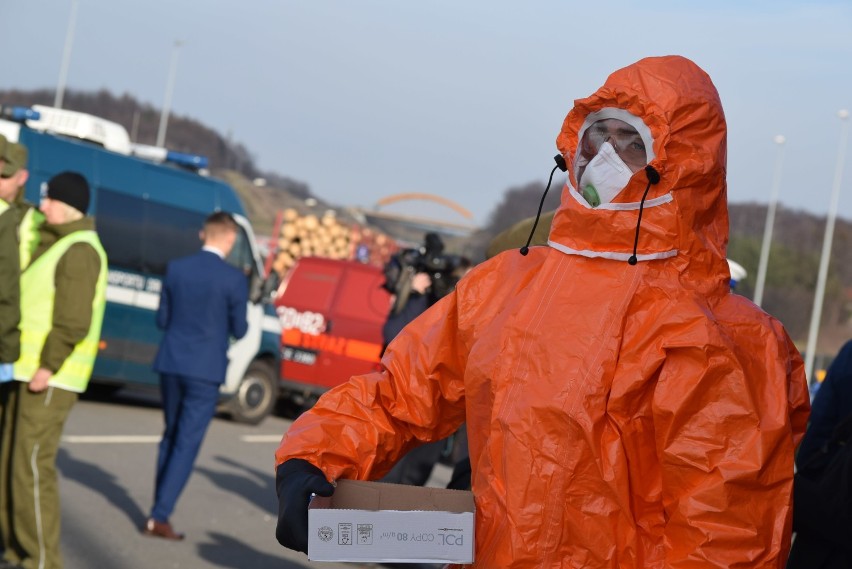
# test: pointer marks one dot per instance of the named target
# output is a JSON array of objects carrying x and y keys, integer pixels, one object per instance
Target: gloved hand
[{"x": 295, "y": 481}]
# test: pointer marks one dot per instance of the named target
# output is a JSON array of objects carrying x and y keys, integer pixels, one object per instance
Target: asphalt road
[{"x": 228, "y": 510}]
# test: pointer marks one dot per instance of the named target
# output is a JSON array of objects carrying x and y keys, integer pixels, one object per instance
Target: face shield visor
[{"x": 613, "y": 145}]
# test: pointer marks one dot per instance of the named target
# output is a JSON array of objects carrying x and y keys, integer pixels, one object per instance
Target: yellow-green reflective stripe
[{"x": 28, "y": 236}]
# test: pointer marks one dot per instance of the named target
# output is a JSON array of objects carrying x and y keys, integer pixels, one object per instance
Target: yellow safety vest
[
  {"x": 28, "y": 238},
  {"x": 38, "y": 292},
  {"x": 27, "y": 231}
]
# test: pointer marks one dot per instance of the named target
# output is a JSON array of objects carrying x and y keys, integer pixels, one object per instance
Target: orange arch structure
[{"x": 427, "y": 197}]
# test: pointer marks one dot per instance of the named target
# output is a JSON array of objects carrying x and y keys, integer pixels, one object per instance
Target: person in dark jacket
[
  {"x": 416, "y": 303},
  {"x": 821, "y": 525},
  {"x": 202, "y": 305},
  {"x": 414, "y": 468}
]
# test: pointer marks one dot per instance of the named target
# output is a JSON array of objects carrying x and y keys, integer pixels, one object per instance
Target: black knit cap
[{"x": 71, "y": 188}]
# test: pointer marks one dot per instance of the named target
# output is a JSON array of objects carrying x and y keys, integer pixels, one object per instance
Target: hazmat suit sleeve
[
  {"x": 359, "y": 429},
  {"x": 725, "y": 438}
]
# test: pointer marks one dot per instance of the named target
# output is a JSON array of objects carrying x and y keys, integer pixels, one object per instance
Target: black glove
[{"x": 295, "y": 481}]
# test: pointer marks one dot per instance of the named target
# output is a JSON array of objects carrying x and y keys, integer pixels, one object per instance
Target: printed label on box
[
  {"x": 344, "y": 534},
  {"x": 390, "y": 536},
  {"x": 365, "y": 534}
]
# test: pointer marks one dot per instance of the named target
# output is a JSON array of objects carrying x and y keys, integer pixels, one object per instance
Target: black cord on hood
[
  {"x": 560, "y": 164},
  {"x": 653, "y": 178}
]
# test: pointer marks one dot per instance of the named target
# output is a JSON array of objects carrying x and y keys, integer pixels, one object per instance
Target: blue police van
[{"x": 149, "y": 205}]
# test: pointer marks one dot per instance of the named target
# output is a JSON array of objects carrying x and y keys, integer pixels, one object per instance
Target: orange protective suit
[{"x": 619, "y": 416}]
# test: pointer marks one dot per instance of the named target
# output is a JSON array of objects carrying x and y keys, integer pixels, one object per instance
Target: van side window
[
  {"x": 142, "y": 236},
  {"x": 118, "y": 219}
]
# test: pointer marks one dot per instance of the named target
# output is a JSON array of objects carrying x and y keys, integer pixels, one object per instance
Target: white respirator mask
[{"x": 604, "y": 177}]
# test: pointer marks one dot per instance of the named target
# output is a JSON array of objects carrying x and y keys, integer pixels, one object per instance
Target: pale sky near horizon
[{"x": 462, "y": 99}]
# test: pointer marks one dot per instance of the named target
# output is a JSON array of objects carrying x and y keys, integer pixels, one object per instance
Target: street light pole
[
  {"x": 167, "y": 100},
  {"x": 66, "y": 57},
  {"x": 770, "y": 222},
  {"x": 816, "y": 313}
]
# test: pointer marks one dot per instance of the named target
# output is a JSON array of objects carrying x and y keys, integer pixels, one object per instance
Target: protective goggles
[{"x": 625, "y": 139}]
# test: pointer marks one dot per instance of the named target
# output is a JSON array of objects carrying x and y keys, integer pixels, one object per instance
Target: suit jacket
[{"x": 202, "y": 303}]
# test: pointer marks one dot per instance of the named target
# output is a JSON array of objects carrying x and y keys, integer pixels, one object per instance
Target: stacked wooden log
[
  {"x": 371, "y": 246},
  {"x": 325, "y": 236}
]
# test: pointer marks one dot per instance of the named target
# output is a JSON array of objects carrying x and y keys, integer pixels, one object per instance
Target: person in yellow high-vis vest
[
  {"x": 63, "y": 295},
  {"x": 19, "y": 221}
]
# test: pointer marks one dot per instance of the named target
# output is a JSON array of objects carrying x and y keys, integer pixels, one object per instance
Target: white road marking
[
  {"x": 262, "y": 438},
  {"x": 152, "y": 439},
  {"x": 111, "y": 439}
]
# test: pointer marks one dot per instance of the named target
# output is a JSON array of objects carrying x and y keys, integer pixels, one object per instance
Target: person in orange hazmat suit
[{"x": 624, "y": 409}]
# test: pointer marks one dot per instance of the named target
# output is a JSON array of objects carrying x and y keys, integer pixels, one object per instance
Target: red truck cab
[{"x": 331, "y": 314}]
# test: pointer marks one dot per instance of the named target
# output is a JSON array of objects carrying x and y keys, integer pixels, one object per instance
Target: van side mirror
[
  {"x": 263, "y": 289},
  {"x": 255, "y": 289}
]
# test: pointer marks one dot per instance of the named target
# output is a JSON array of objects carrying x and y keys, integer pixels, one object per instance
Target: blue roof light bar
[
  {"x": 18, "y": 114},
  {"x": 189, "y": 160}
]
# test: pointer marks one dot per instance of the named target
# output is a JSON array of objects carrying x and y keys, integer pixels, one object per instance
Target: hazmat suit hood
[{"x": 684, "y": 215}]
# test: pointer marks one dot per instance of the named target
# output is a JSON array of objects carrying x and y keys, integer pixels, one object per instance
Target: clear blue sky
[{"x": 462, "y": 99}]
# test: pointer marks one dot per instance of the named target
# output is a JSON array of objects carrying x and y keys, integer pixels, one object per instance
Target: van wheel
[{"x": 256, "y": 396}]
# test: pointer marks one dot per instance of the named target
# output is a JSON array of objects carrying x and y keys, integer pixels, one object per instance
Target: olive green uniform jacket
[
  {"x": 10, "y": 276},
  {"x": 516, "y": 236}
]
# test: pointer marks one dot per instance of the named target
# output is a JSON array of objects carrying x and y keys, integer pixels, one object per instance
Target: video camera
[{"x": 429, "y": 259}]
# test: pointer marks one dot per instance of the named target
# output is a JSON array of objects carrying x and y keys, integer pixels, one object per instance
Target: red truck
[{"x": 331, "y": 315}]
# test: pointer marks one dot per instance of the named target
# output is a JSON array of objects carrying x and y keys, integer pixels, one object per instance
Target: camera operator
[
  {"x": 417, "y": 278},
  {"x": 422, "y": 277},
  {"x": 407, "y": 263}
]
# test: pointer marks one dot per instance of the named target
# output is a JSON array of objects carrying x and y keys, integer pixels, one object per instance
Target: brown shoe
[{"x": 161, "y": 529}]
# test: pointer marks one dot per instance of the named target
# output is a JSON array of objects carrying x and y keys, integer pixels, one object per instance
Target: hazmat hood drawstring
[
  {"x": 560, "y": 164},
  {"x": 653, "y": 178}
]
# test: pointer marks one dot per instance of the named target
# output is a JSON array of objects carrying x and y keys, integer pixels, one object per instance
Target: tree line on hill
[
  {"x": 792, "y": 268},
  {"x": 142, "y": 122},
  {"x": 793, "y": 261}
]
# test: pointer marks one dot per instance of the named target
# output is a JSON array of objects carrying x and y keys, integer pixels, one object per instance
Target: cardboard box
[{"x": 374, "y": 521}]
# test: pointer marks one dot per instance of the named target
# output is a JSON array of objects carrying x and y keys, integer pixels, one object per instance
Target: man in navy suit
[{"x": 202, "y": 304}]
